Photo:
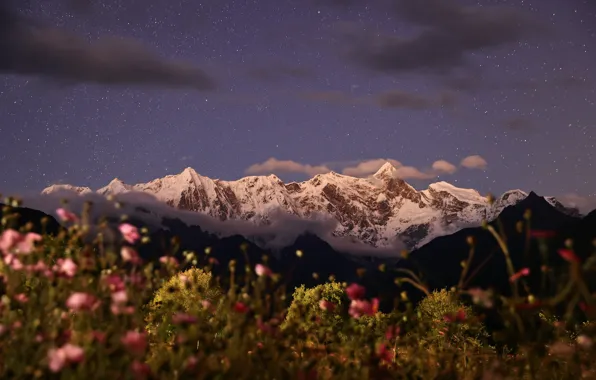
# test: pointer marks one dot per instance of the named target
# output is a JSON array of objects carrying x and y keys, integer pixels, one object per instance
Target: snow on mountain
[
  {"x": 58, "y": 188},
  {"x": 380, "y": 210}
]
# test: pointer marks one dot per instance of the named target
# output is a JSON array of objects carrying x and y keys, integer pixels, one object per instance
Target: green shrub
[
  {"x": 75, "y": 310},
  {"x": 450, "y": 320}
]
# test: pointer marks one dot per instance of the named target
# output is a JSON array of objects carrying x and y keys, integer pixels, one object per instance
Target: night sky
[{"x": 317, "y": 85}]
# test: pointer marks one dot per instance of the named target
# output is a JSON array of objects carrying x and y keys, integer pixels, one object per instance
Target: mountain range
[
  {"x": 382, "y": 211},
  {"x": 438, "y": 262}
]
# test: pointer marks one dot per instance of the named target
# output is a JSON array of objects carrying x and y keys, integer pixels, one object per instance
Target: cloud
[
  {"x": 337, "y": 97},
  {"x": 584, "y": 204},
  {"x": 449, "y": 32},
  {"x": 410, "y": 172},
  {"x": 283, "y": 229},
  {"x": 28, "y": 48},
  {"x": 389, "y": 99},
  {"x": 363, "y": 168},
  {"x": 369, "y": 167},
  {"x": 279, "y": 71},
  {"x": 273, "y": 165},
  {"x": 474, "y": 162},
  {"x": 401, "y": 99},
  {"x": 444, "y": 167}
]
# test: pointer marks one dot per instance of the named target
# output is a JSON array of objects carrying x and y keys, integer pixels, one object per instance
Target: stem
[
  {"x": 510, "y": 268},
  {"x": 464, "y": 273}
]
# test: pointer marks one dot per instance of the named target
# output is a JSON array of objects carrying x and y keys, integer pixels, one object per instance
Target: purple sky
[{"x": 319, "y": 82}]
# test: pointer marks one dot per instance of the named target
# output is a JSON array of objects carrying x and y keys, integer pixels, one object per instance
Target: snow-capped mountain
[{"x": 377, "y": 210}]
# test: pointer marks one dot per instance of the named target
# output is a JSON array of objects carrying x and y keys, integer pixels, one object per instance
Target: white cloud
[
  {"x": 369, "y": 167},
  {"x": 474, "y": 162},
  {"x": 273, "y": 165},
  {"x": 584, "y": 204},
  {"x": 444, "y": 167},
  {"x": 364, "y": 168},
  {"x": 410, "y": 172}
]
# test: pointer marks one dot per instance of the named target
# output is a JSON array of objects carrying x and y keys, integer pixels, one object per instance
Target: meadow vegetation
[{"x": 78, "y": 308}]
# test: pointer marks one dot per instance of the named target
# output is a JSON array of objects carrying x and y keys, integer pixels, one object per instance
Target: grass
[{"x": 74, "y": 307}]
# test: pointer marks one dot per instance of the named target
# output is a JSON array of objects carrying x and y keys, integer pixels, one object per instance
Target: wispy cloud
[
  {"x": 275, "y": 166},
  {"x": 362, "y": 168},
  {"x": 474, "y": 162},
  {"x": 397, "y": 99},
  {"x": 449, "y": 32},
  {"x": 28, "y": 48}
]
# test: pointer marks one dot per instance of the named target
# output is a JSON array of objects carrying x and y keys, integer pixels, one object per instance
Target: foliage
[
  {"x": 181, "y": 293},
  {"x": 73, "y": 306},
  {"x": 438, "y": 309}
]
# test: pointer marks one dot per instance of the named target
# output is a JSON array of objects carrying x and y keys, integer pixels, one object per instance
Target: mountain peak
[
  {"x": 189, "y": 170},
  {"x": 376, "y": 210},
  {"x": 387, "y": 170},
  {"x": 115, "y": 186}
]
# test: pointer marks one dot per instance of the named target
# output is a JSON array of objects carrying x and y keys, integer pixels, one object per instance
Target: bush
[
  {"x": 181, "y": 293},
  {"x": 71, "y": 308},
  {"x": 439, "y": 310},
  {"x": 333, "y": 322}
]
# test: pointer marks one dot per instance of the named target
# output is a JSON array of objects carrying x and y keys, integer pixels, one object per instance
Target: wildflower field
[{"x": 76, "y": 307}]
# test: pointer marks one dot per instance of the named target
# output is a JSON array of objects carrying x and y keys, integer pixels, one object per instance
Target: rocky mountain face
[{"x": 380, "y": 210}]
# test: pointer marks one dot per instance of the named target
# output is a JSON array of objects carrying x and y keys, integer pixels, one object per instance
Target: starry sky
[{"x": 133, "y": 89}]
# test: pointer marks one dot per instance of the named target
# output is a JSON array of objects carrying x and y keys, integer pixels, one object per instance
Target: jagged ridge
[{"x": 378, "y": 210}]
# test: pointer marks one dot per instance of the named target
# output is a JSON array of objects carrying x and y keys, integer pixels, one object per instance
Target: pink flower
[
  {"x": 385, "y": 354},
  {"x": 168, "y": 260},
  {"x": 213, "y": 261},
  {"x": 542, "y": 234},
  {"x": 130, "y": 254},
  {"x": 137, "y": 280},
  {"x": 207, "y": 305},
  {"x": 12, "y": 261},
  {"x": 190, "y": 363},
  {"x": 240, "y": 307},
  {"x": 359, "y": 308},
  {"x": 79, "y": 301},
  {"x": 118, "y": 309},
  {"x": 114, "y": 282},
  {"x": 129, "y": 232},
  {"x": 183, "y": 318},
  {"x": 59, "y": 357},
  {"x": 141, "y": 370},
  {"x": 66, "y": 267},
  {"x": 66, "y": 216},
  {"x": 8, "y": 239},
  {"x": 119, "y": 297},
  {"x": 13, "y": 241},
  {"x": 459, "y": 316},
  {"x": 262, "y": 270},
  {"x": 326, "y": 305},
  {"x": 481, "y": 297},
  {"x": 355, "y": 291},
  {"x": 264, "y": 327},
  {"x": 568, "y": 255},
  {"x": 519, "y": 274},
  {"x": 56, "y": 360},
  {"x": 392, "y": 332},
  {"x": 21, "y": 297},
  {"x": 74, "y": 354},
  {"x": 135, "y": 342},
  {"x": 98, "y": 336}
]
